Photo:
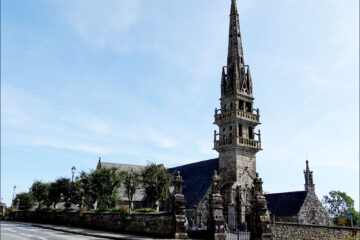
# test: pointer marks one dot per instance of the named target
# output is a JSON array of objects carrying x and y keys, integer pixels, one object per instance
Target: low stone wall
[
  {"x": 155, "y": 224},
  {"x": 294, "y": 231}
]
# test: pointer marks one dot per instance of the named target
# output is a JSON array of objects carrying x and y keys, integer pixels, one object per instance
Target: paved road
[
  {"x": 26, "y": 231},
  {"x": 18, "y": 231}
]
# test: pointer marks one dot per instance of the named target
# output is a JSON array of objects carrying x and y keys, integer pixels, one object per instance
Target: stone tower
[
  {"x": 309, "y": 181},
  {"x": 236, "y": 141}
]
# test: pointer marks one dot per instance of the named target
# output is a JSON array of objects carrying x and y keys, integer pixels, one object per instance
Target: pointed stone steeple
[
  {"x": 235, "y": 52},
  {"x": 237, "y": 76}
]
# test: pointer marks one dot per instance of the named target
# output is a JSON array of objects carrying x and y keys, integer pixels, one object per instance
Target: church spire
[
  {"x": 237, "y": 76},
  {"x": 235, "y": 52}
]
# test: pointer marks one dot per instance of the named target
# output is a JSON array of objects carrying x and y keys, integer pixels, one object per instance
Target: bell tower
[
  {"x": 309, "y": 181},
  {"x": 237, "y": 141}
]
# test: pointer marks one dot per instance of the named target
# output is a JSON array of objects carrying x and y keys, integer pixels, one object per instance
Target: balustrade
[
  {"x": 228, "y": 115},
  {"x": 237, "y": 141}
]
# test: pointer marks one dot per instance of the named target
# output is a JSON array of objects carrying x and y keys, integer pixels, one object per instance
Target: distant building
[
  {"x": 237, "y": 143},
  {"x": 300, "y": 207}
]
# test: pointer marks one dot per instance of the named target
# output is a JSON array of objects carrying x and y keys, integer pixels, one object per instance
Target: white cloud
[
  {"x": 161, "y": 140},
  {"x": 102, "y": 23}
]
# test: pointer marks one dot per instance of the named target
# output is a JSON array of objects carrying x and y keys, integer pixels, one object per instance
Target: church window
[
  {"x": 223, "y": 129},
  {"x": 240, "y": 130},
  {"x": 251, "y": 133},
  {"x": 248, "y": 107},
  {"x": 241, "y": 104},
  {"x": 230, "y": 128}
]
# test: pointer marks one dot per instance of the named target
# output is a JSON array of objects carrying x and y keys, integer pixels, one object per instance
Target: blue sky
[{"x": 138, "y": 81}]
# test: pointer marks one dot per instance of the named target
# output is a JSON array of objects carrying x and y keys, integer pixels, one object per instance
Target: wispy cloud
[{"x": 101, "y": 23}]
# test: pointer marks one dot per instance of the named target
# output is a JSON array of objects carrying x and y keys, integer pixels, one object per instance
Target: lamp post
[
  {"x": 13, "y": 195},
  {"x": 73, "y": 169}
]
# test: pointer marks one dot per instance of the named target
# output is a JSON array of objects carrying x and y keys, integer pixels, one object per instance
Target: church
[{"x": 237, "y": 142}]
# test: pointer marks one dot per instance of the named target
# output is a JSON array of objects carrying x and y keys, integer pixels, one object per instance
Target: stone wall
[
  {"x": 294, "y": 231},
  {"x": 155, "y": 224},
  {"x": 312, "y": 211}
]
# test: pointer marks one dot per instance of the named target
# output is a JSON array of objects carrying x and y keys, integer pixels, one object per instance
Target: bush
[
  {"x": 103, "y": 209},
  {"x": 145, "y": 210},
  {"x": 8, "y": 212},
  {"x": 121, "y": 210}
]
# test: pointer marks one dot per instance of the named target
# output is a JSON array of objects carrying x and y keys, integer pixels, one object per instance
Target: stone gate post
[
  {"x": 178, "y": 209},
  {"x": 216, "y": 222}
]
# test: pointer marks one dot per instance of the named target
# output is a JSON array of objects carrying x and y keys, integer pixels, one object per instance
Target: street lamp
[
  {"x": 73, "y": 169},
  {"x": 13, "y": 195}
]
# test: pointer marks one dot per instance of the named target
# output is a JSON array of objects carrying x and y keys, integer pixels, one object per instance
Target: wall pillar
[
  {"x": 260, "y": 217},
  {"x": 178, "y": 202},
  {"x": 216, "y": 221}
]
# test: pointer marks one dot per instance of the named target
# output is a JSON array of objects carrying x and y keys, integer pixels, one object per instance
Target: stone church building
[{"x": 237, "y": 142}]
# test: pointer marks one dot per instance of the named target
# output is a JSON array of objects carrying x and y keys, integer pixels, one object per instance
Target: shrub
[
  {"x": 102, "y": 209},
  {"x": 145, "y": 210},
  {"x": 8, "y": 212},
  {"x": 118, "y": 210}
]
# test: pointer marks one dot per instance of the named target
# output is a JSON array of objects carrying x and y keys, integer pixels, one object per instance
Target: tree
[
  {"x": 24, "y": 201},
  {"x": 156, "y": 182},
  {"x": 87, "y": 193},
  {"x": 105, "y": 183},
  {"x": 40, "y": 192},
  {"x": 61, "y": 190},
  {"x": 132, "y": 180},
  {"x": 54, "y": 194},
  {"x": 339, "y": 205}
]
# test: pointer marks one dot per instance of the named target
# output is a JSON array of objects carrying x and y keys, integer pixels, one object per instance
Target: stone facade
[
  {"x": 312, "y": 211},
  {"x": 293, "y": 231}
]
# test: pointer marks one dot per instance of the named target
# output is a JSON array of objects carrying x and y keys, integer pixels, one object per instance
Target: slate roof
[
  {"x": 285, "y": 204},
  {"x": 139, "y": 195},
  {"x": 121, "y": 167},
  {"x": 197, "y": 179}
]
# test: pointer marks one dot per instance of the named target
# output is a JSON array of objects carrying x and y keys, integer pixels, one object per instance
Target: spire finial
[
  {"x": 233, "y": 10},
  {"x": 307, "y": 164}
]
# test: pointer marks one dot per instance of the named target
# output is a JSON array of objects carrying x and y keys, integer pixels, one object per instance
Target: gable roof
[
  {"x": 120, "y": 166},
  {"x": 197, "y": 179},
  {"x": 285, "y": 204}
]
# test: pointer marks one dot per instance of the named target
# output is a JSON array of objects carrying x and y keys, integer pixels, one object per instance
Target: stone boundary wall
[
  {"x": 295, "y": 231},
  {"x": 154, "y": 224}
]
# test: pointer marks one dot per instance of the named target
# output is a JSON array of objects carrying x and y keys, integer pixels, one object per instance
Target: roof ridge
[
  {"x": 285, "y": 192},
  {"x": 189, "y": 164}
]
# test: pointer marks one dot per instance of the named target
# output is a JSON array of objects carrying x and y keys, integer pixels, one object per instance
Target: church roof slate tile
[
  {"x": 197, "y": 179},
  {"x": 285, "y": 204}
]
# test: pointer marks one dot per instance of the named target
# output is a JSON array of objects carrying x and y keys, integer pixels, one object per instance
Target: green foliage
[
  {"x": 24, "y": 201},
  {"x": 145, "y": 210},
  {"x": 102, "y": 209},
  {"x": 40, "y": 192},
  {"x": 8, "y": 211},
  {"x": 87, "y": 192},
  {"x": 64, "y": 190},
  {"x": 117, "y": 209},
  {"x": 156, "y": 182},
  {"x": 339, "y": 205},
  {"x": 132, "y": 180},
  {"x": 105, "y": 183}
]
